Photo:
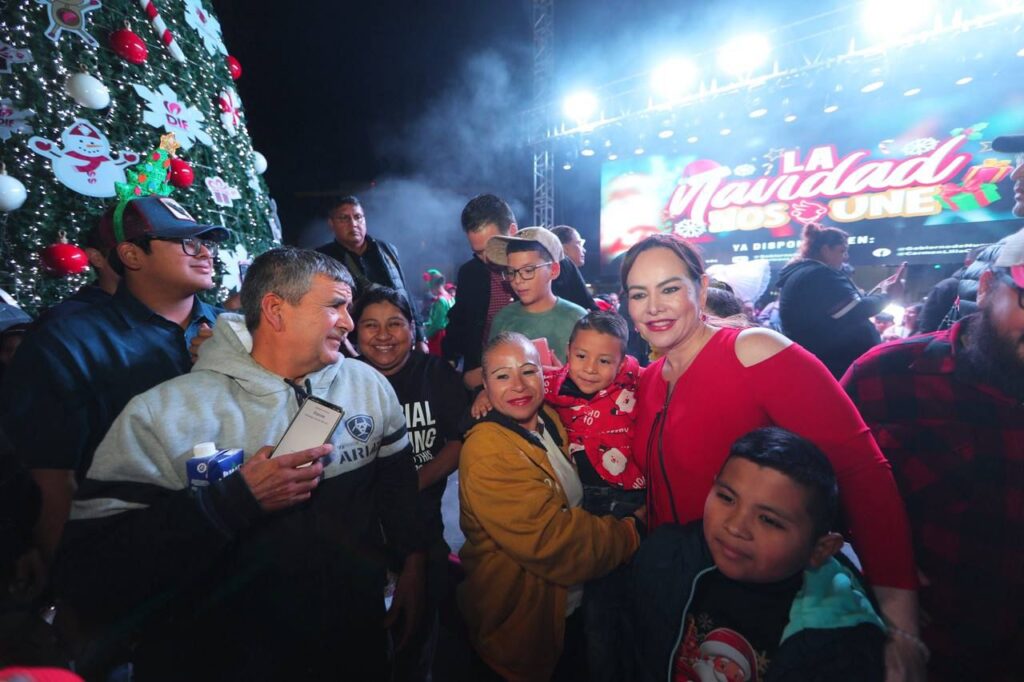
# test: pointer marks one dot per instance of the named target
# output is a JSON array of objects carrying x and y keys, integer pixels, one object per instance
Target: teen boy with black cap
[{"x": 72, "y": 377}]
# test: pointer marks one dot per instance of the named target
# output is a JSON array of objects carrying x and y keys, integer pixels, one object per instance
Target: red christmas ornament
[
  {"x": 182, "y": 175},
  {"x": 234, "y": 67},
  {"x": 62, "y": 259},
  {"x": 129, "y": 46}
]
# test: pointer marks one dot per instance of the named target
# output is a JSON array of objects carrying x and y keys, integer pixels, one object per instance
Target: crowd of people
[{"x": 676, "y": 513}]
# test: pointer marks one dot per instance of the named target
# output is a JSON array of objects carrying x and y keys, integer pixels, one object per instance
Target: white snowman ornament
[{"x": 82, "y": 160}]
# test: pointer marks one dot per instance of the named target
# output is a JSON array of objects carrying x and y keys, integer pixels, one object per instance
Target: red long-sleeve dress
[{"x": 681, "y": 445}]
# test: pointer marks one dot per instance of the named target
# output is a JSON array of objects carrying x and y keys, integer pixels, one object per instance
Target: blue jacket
[{"x": 833, "y": 633}]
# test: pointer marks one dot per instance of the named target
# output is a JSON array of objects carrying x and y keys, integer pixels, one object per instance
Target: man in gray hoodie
[{"x": 276, "y": 571}]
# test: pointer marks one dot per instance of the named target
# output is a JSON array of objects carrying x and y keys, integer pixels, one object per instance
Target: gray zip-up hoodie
[{"x": 138, "y": 533}]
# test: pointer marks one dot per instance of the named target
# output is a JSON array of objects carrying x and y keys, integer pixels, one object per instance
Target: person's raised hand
[
  {"x": 204, "y": 333},
  {"x": 284, "y": 481},
  {"x": 481, "y": 405}
]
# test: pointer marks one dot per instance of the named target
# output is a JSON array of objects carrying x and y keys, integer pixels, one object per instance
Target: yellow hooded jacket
[{"x": 525, "y": 547}]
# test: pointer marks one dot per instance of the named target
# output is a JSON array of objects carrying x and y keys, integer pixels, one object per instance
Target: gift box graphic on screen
[{"x": 967, "y": 196}]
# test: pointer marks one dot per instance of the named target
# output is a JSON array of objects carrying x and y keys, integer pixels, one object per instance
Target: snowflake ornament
[
  {"x": 774, "y": 154},
  {"x": 745, "y": 170},
  {"x": 207, "y": 25},
  {"x": 13, "y": 120},
  {"x": 922, "y": 145},
  {"x": 234, "y": 262},
  {"x": 885, "y": 146},
  {"x": 689, "y": 228},
  {"x": 166, "y": 110},
  {"x": 10, "y": 55},
  {"x": 69, "y": 16}
]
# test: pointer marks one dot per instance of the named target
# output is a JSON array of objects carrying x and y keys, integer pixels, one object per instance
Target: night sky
[{"x": 332, "y": 89}]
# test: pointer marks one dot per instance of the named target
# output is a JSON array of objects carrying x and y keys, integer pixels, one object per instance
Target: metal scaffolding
[{"x": 543, "y": 73}]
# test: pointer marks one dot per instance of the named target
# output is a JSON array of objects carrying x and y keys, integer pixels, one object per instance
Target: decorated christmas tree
[{"x": 87, "y": 89}]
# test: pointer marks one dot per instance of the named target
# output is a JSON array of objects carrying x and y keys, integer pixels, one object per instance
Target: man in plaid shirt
[{"x": 947, "y": 410}]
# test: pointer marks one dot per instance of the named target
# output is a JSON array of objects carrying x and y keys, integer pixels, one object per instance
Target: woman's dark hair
[
  {"x": 603, "y": 322},
  {"x": 800, "y": 460},
  {"x": 817, "y": 237},
  {"x": 381, "y": 294},
  {"x": 722, "y": 303},
  {"x": 683, "y": 250}
]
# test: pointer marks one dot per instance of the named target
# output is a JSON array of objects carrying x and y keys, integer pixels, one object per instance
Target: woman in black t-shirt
[{"x": 435, "y": 402}]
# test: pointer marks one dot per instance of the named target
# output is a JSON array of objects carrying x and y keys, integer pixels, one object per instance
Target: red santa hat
[{"x": 729, "y": 644}]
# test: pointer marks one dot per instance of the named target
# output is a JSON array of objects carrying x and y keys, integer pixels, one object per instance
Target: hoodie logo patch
[{"x": 360, "y": 427}]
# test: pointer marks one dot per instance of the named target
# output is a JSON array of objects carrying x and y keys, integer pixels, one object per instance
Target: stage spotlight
[
  {"x": 725, "y": 131},
  {"x": 743, "y": 54},
  {"x": 790, "y": 118},
  {"x": 758, "y": 113},
  {"x": 566, "y": 166},
  {"x": 665, "y": 134},
  {"x": 831, "y": 108},
  {"x": 965, "y": 80},
  {"x": 889, "y": 19},
  {"x": 587, "y": 152},
  {"x": 871, "y": 87},
  {"x": 692, "y": 138},
  {"x": 638, "y": 151},
  {"x": 673, "y": 78},
  {"x": 580, "y": 106},
  {"x": 613, "y": 156},
  {"x": 911, "y": 92}
]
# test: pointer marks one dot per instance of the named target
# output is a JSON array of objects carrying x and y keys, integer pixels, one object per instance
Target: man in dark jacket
[
  {"x": 481, "y": 290},
  {"x": 371, "y": 261},
  {"x": 753, "y": 592}
]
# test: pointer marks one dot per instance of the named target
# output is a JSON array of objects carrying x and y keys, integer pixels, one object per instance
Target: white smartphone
[{"x": 312, "y": 425}]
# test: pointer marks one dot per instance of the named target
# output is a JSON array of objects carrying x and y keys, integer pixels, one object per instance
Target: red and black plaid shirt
[{"x": 957, "y": 452}]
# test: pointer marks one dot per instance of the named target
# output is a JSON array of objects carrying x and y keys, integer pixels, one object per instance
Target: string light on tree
[{"x": 35, "y": 72}]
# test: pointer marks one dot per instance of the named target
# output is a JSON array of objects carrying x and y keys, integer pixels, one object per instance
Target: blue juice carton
[{"x": 208, "y": 464}]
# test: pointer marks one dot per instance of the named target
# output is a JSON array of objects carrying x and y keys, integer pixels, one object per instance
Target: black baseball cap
[
  {"x": 156, "y": 216},
  {"x": 1011, "y": 144}
]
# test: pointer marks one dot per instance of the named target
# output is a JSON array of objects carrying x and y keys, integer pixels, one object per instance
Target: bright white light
[
  {"x": 638, "y": 151},
  {"x": 613, "y": 156},
  {"x": 566, "y": 166},
  {"x": 871, "y": 87},
  {"x": 673, "y": 78},
  {"x": 692, "y": 138},
  {"x": 758, "y": 113},
  {"x": 587, "y": 152},
  {"x": 1020, "y": 52},
  {"x": 744, "y": 53},
  {"x": 911, "y": 92},
  {"x": 964, "y": 81},
  {"x": 580, "y": 106},
  {"x": 888, "y": 19},
  {"x": 724, "y": 131},
  {"x": 790, "y": 118},
  {"x": 665, "y": 134},
  {"x": 831, "y": 108}
]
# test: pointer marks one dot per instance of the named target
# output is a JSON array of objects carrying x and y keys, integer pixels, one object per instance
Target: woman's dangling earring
[{"x": 703, "y": 317}]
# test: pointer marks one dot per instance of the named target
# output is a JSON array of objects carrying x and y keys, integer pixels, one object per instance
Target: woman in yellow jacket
[{"x": 529, "y": 547}]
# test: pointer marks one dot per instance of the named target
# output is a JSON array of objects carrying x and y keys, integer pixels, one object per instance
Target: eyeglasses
[
  {"x": 1008, "y": 279},
  {"x": 192, "y": 246},
  {"x": 527, "y": 272}
]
